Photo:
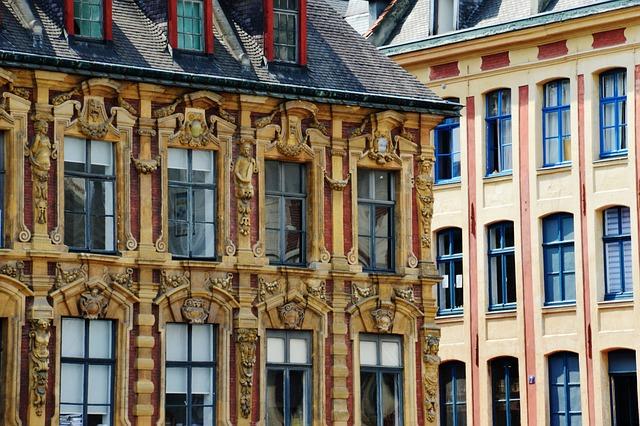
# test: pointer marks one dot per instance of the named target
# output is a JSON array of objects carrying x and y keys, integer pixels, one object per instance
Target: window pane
[
  {"x": 73, "y": 338},
  {"x": 99, "y": 384},
  {"x": 390, "y": 352},
  {"x": 272, "y": 175},
  {"x": 74, "y": 195},
  {"x": 202, "y": 342},
  {"x": 364, "y": 251},
  {"x": 74, "y": 154},
  {"x": 382, "y": 221},
  {"x": 363, "y": 183},
  {"x": 178, "y": 164},
  {"x": 292, "y": 178},
  {"x": 177, "y": 346},
  {"x": 383, "y": 253},
  {"x": 71, "y": 378},
  {"x": 100, "y": 335},
  {"x": 202, "y": 383},
  {"x": 368, "y": 353},
  {"x": 612, "y": 257},
  {"x": 298, "y": 352},
  {"x": 293, "y": 214},
  {"x": 382, "y": 185},
  {"x": 273, "y": 245},
  {"x": 297, "y": 400},
  {"x": 275, "y": 349},
  {"x": 551, "y": 94},
  {"x": 275, "y": 397},
  {"x": 368, "y": 398},
  {"x": 101, "y": 157},
  {"x": 391, "y": 404},
  {"x": 176, "y": 380},
  {"x": 202, "y": 167},
  {"x": 364, "y": 220}
]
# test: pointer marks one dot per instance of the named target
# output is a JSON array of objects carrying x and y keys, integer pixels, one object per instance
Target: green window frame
[
  {"x": 88, "y": 18},
  {"x": 191, "y": 25}
]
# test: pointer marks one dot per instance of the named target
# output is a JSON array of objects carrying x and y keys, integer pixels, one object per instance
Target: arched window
[
  {"x": 616, "y": 240},
  {"x": 613, "y": 113},
  {"x": 453, "y": 394},
  {"x": 498, "y": 121},
  {"x": 505, "y": 386},
  {"x": 502, "y": 266},
  {"x": 556, "y": 123},
  {"x": 564, "y": 389},
  {"x": 449, "y": 259},
  {"x": 559, "y": 261}
]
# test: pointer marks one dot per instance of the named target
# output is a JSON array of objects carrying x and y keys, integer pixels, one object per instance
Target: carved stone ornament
[
  {"x": 193, "y": 311},
  {"x": 64, "y": 97},
  {"x": 267, "y": 288},
  {"x": 424, "y": 195},
  {"x": 319, "y": 291},
  {"x": 384, "y": 319},
  {"x": 292, "y": 315},
  {"x": 21, "y": 92},
  {"x": 146, "y": 167},
  {"x": 223, "y": 283},
  {"x": 358, "y": 131},
  {"x": 63, "y": 277},
  {"x": 382, "y": 148},
  {"x": 123, "y": 279},
  {"x": 40, "y": 154},
  {"x": 358, "y": 293},
  {"x": 352, "y": 256},
  {"x": 166, "y": 111},
  {"x": 405, "y": 294},
  {"x": 337, "y": 184},
  {"x": 243, "y": 170},
  {"x": 246, "y": 339},
  {"x": 14, "y": 270},
  {"x": 93, "y": 121},
  {"x": 93, "y": 304},
  {"x": 194, "y": 131},
  {"x": 173, "y": 281},
  {"x": 122, "y": 103},
  {"x": 432, "y": 363},
  {"x": 39, "y": 353}
]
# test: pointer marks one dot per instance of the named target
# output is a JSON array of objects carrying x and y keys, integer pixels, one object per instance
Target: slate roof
[{"x": 341, "y": 64}]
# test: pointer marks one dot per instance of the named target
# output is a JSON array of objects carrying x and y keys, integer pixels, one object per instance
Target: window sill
[
  {"x": 447, "y": 184},
  {"x": 621, "y": 301},
  {"x": 559, "y": 308},
  {"x": 508, "y": 312},
  {"x": 195, "y": 262},
  {"x": 445, "y": 318},
  {"x": 499, "y": 177},
  {"x": 621, "y": 159},
  {"x": 110, "y": 256},
  {"x": 556, "y": 168}
]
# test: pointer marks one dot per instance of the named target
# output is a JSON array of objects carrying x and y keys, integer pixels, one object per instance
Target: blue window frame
[
  {"x": 89, "y": 195},
  {"x": 613, "y": 113},
  {"x": 190, "y": 383},
  {"x": 87, "y": 376},
  {"x": 88, "y": 18},
  {"x": 505, "y": 392},
  {"x": 286, "y": 217},
  {"x": 376, "y": 204},
  {"x": 498, "y": 121},
  {"x": 288, "y": 378},
  {"x": 453, "y": 394},
  {"x": 502, "y": 266},
  {"x": 2, "y": 173},
  {"x": 617, "y": 253},
  {"x": 623, "y": 387},
  {"x": 191, "y": 25},
  {"x": 564, "y": 389},
  {"x": 192, "y": 203},
  {"x": 556, "y": 123},
  {"x": 559, "y": 261},
  {"x": 446, "y": 139},
  {"x": 449, "y": 259},
  {"x": 381, "y": 380}
]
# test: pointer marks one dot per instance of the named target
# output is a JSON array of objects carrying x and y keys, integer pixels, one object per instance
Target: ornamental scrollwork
[
  {"x": 358, "y": 293},
  {"x": 223, "y": 283},
  {"x": 292, "y": 315},
  {"x": 93, "y": 121},
  {"x": 383, "y": 319},
  {"x": 39, "y": 353},
  {"x": 173, "y": 281},
  {"x": 432, "y": 363},
  {"x": 193, "y": 311},
  {"x": 122, "y": 103},
  {"x": 337, "y": 184},
  {"x": 146, "y": 167},
  {"x": 424, "y": 195},
  {"x": 21, "y": 92},
  {"x": 63, "y": 278},
  {"x": 123, "y": 279},
  {"x": 405, "y": 294},
  {"x": 166, "y": 111},
  {"x": 93, "y": 304},
  {"x": 64, "y": 97},
  {"x": 194, "y": 131},
  {"x": 244, "y": 169},
  {"x": 246, "y": 339},
  {"x": 319, "y": 291},
  {"x": 13, "y": 270},
  {"x": 40, "y": 154},
  {"x": 382, "y": 148},
  {"x": 267, "y": 288}
]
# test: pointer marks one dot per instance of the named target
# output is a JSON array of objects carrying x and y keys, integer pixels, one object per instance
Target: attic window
[
  {"x": 191, "y": 25},
  {"x": 285, "y": 35},
  {"x": 89, "y": 19},
  {"x": 444, "y": 16}
]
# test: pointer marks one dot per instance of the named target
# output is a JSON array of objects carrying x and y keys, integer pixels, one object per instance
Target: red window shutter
[
  {"x": 208, "y": 26},
  {"x": 172, "y": 22},
  {"x": 302, "y": 55},
  {"x": 68, "y": 17},
  {"x": 268, "y": 30},
  {"x": 108, "y": 20}
]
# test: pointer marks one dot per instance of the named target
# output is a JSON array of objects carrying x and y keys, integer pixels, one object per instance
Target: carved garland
[
  {"x": 39, "y": 354},
  {"x": 63, "y": 277},
  {"x": 173, "y": 281},
  {"x": 246, "y": 339},
  {"x": 14, "y": 270},
  {"x": 146, "y": 167},
  {"x": 432, "y": 363},
  {"x": 123, "y": 279},
  {"x": 223, "y": 283},
  {"x": 424, "y": 195},
  {"x": 337, "y": 184},
  {"x": 267, "y": 288}
]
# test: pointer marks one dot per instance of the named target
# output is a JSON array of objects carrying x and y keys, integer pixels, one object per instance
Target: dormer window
[
  {"x": 191, "y": 25},
  {"x": 444, "y": 16},
  {"x": 90, "y": 19},
  {"x": 286, "y": 27}
]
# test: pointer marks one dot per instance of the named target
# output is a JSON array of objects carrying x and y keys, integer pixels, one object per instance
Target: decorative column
[
  {"x": 431, "y": 363},
  {"x": 337, "y": 183},
  {"x": 340, "y": 367},
  {"x": 246, "y": 340}
]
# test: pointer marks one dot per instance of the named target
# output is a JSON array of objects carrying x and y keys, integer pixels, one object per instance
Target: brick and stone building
[
  {"x": 212, "y": 212},
  {"x": 535, "y": 223}
]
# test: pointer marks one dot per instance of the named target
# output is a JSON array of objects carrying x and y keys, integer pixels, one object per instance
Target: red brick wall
[
  {"x": 450, "y": 69},
  {"x": 608, "y": 38},
  {"x": 552, "y": 50},
  {"x": 496, "y": 60}
]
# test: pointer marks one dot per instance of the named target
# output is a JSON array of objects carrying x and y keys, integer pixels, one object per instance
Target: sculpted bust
[{"x": 244, "y": 169}]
